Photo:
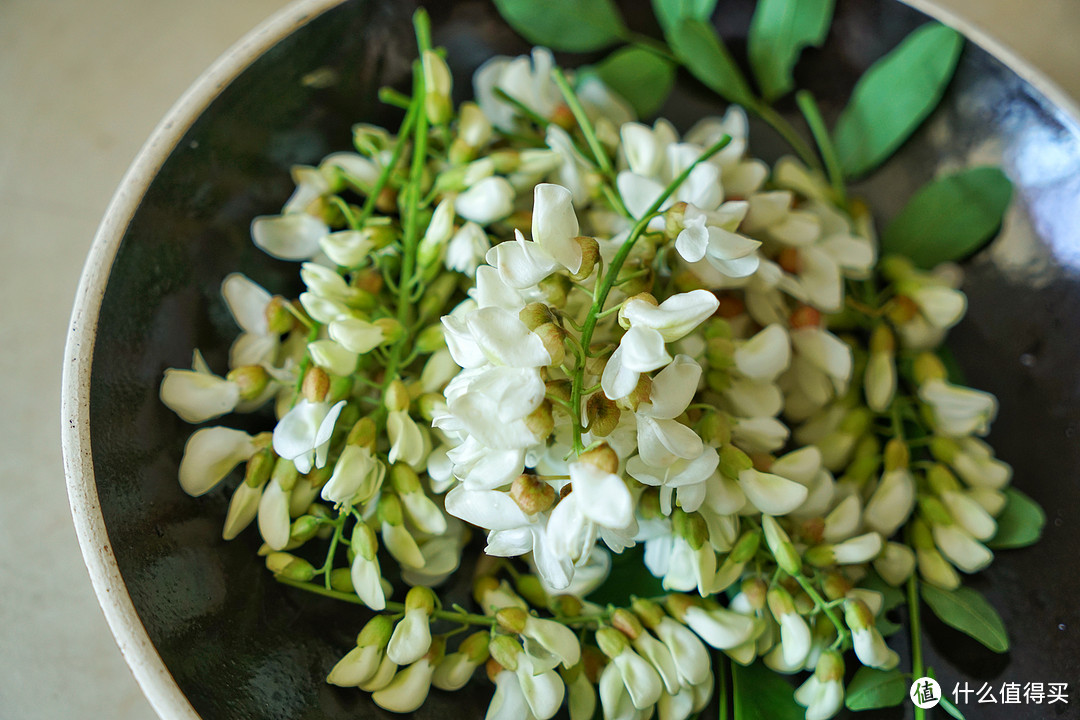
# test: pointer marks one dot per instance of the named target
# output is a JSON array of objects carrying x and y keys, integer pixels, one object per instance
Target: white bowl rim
[{"x": 146, "y": 664}]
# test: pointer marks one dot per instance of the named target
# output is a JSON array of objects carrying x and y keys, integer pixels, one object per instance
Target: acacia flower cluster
[{"x": 537, "y": 322}]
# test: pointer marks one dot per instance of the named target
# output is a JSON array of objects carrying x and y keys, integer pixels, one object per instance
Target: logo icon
[{"x": 925, "y": 693}]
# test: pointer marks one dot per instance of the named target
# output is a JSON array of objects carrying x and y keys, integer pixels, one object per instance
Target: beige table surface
[{"x": 82, "y": 84}]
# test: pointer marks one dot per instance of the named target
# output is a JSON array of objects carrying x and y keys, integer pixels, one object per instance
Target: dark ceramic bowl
[{"x": 207, "y": 631}]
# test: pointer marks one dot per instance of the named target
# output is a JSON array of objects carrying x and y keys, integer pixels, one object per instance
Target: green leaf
[
  {"x": 570, "y": 25},
  {"x": 950, "y": 217},
  {"x": 628, "y": 577},
  {"x": 642, "y": 77},
  {"x": 1020, "y": 523},
  {"x": 671, "y": 12},
  {"x": 970, "y": 613},
  {"x": 779, "y": 31},
  {"x": 947, "y": 706},
  {"x": 761, "y": 694},
  {"x": 894, "y": 96},
  {"x": 871, "y": 689},
  {"x": 701, "y": 50}
]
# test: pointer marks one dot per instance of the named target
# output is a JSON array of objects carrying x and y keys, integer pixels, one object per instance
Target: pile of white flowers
[{"x": 538, "y": 321}]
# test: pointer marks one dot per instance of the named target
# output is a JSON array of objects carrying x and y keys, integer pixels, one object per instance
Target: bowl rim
[{"x": 146, "y": 664}]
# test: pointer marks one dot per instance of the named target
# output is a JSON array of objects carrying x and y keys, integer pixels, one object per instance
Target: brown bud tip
[
  {"x": 541, "y": 422},
  {"x": 625, "y": 622},
  {"x": 552, "y": 336},
  {"x": 531, "y": 494},
  {"x": 804, "y": 316},
  {"x": 386, "y": 202},
  {"x": 902, "y": 310},
  {"x": 603, "y": 414},
  {"x": 603, "y": 457},
  {"x": 563, "y": 116},
  {"x": 315, "y": 385},
  {"x": 790, "y": 260},
  {"x": 835, "y": 585},
  {"x": 593, "y": 661},
  {"x": 590, "y": 255},
  {"x": 762, "y": 461},
  {"x": 730, "y": 306},
  {"x": 755, "y": 590},
  {"x": 812, "y": 530},
  {"x": 492, "y": 668}
]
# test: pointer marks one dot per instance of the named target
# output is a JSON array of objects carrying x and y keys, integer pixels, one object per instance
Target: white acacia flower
[
  {"x": 411, "y": 638},
  {"x": 362, "y": 662},
  {"x": 615, "y": 700},
  {"x": 466, "y": 249},
  {"x": 892, "y": 502},
  {"x": 958, "y": 411},
  {"x": 408, "y": 442},
  {"x": 209, "y": 455},
  {"x": 895, "y": 564},
  {"x": 682, "y": 567},
  {"x": 526, "y": 79},
  {"x": 554, "y": 568},
  {"x": 524, "y": 263},
  {"x": 488, "y": 201},
  {"x": 198, "y": 396},
  {"x": 961, "y": 548},
  {"x": 490, "y": 405},
  {"x": 408, "y": 689},
  {"x": 243, "y": 506},
  {"x": 508, "y": 701},
  {"x": 303, "y": 435},
  {"x": 771, "y": 494},
  {"x": 765, "y": 355},
  {"x": 273, "y": 515},
  {"x": 355, "y": 334},
  {"x": 728, "y": 252},
  {"x": 543, "y": 689},
  {"x": 722, "y": 628},
  {"x": 357, "y": 476},
  {"x": 599, "y": 500},
  {"x": 974, "y": 461},
  {"x": 689, "y": 654},
  {"x": 348, "y": 248},
  {"x": 662, "y": 440},
  {"x": 823, "y": 692},
  {"x": 687, "y": 477},
  {"x": 294, "y": 236},
  {"x": 364, "y": 571},
  {"x": 247, "y": 302}
]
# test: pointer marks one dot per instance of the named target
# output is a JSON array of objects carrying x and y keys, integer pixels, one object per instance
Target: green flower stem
[
  {"x": 915, "y": 622},
  {"x": 829, "y": 610},
  {"x": 384, "y": 175},
  {"x": 603, "y": 288},
  {"x": 809, "y": 108},
  {"x": 723, "y": 690},
  {"x": 522, "y": 108},
  {"x": 602, "y": 159},
  {"x": 786, "y": 131},
  {"x": 328, "y": 564},
  {"x": 390, "y": 96}
]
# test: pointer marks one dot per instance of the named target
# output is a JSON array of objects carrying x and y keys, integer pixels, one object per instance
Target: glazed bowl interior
[{"x": 202, "y": 622}]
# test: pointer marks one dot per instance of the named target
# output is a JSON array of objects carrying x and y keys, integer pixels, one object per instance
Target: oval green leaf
[
  {"x": 570, "y": 25},
  {"x": 642, "y": 77},
  {"x": 761, "y": 694},
  {"x": 871, "y": 689},
  {"x": 970, "y": 613},
  {"x": 1020, "y": 523},
  {"x": 779, "y": 31},
  {"x": 671, "y": 12},
  {"x": 894, "y": 96},
  {"x": 950, "y": 217},
  {"x": 700, "y": 49}
]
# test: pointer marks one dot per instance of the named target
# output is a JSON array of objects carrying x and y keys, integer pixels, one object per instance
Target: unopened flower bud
[
  {"x": 805, "y": 316},
  {"x": 250, "y": 380},
  {"x": 756, "y": 591},
  {"x": 258, "y": 468},
  {"x": 603, "y": 414},
  {"x": 941, "y": 479},
  {"x": 554, "y": 288},
  {"x": 602, "y": 457},
  {"x": 397, "y": 396},
  {"x": 649, "y": 504},
  {"x": 625, "y": 622},
  {"x": 430, "y": 339},
  {"x": 733, "y": 461},
  {"x": 505, "y": 651},
  {"x": 715, "y": 429},
  {"x": 341, "y": 580},
  {"x": 612, "y": 642},
  {"x": 437, "y": 85},
  {"x": 437, "y": 295},
  {"x": 830, "y": 667},
  {"x": 558, "y": 389},
  {"x": 289, "y": 566},
  {"x": 512, "y": 620},
  {"x": 278, "y": 318},
  {"x": 897, "y": 455},
  {"x": 933, "y": 511},
  {"x": 566, "y": 605},
  {"x": 540, "y": 422},
  {"x": 303, "y": 529},
  {"x": 285, "y": 474},
  {"x": 836, "y": 585},
  {"x": 530, "y": 588},
  {"x": 928, "y": 366},
  {"x": 746, "y": 546},
  {"x": 363, "y": 434},
  {"x": 857, "y": 615},
  {"x": 392, "y": 331},
  {"x": 531, "y": 494},
  {"x": 650, "y": 613},
  {"x": 315, "y": 385},
  {"x": 780, "y": 545},
  {"x": 691, "y": 527},
  {"x": 389, "y": 510}
]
